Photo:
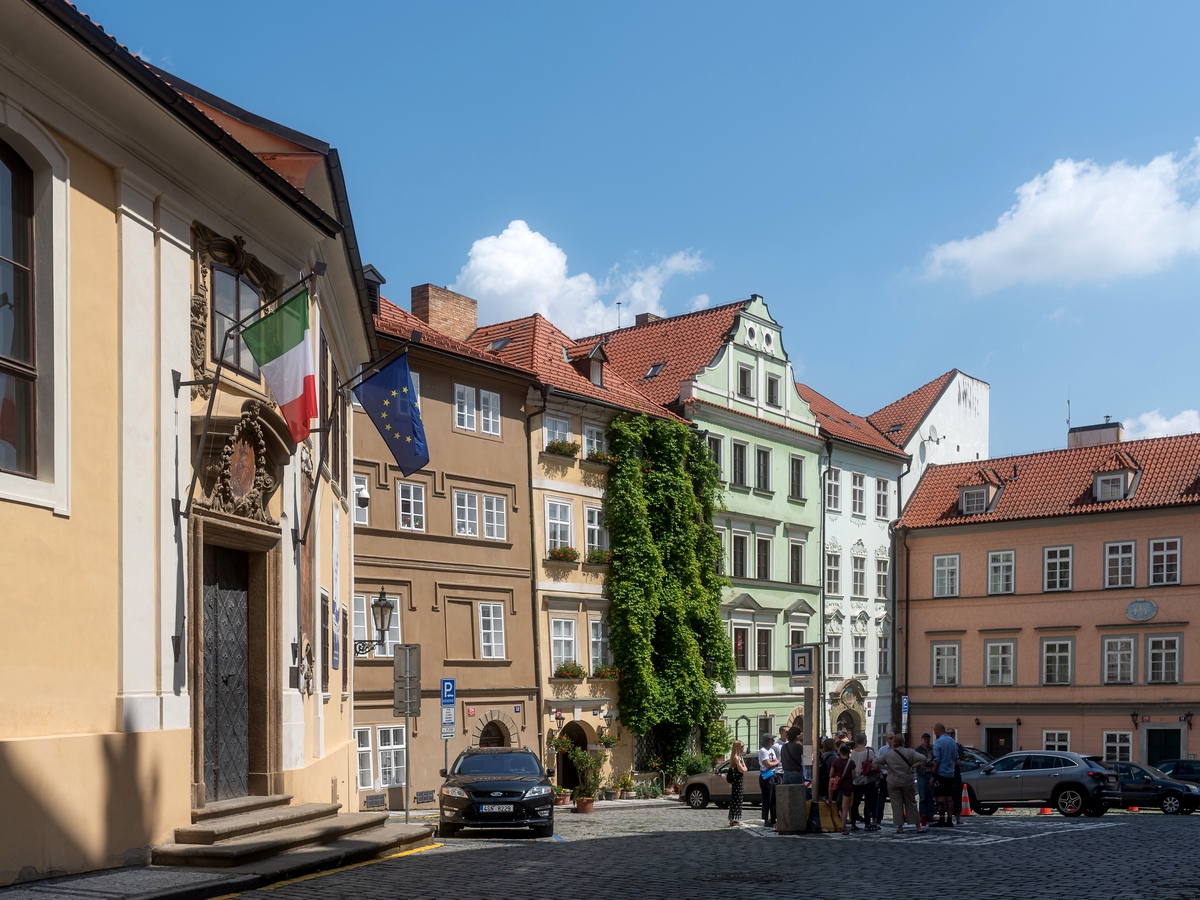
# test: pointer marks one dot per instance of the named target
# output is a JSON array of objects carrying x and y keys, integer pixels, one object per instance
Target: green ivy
[{"x": 665, "y": 626}]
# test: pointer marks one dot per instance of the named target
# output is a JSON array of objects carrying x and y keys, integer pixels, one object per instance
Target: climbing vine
[{"x": 665, "y": 627}]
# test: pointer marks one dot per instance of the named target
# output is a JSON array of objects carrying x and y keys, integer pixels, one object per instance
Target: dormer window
[
  {"x": 656, "y": 370},
  {"x": 1110, "y": 487},
  {"x": 497, "y": 345},
  {"x": 597, "y": 373},
  {"x": 974, "y": 501}
]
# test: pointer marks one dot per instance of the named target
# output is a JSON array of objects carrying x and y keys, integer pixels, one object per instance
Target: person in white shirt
[{"x": 768, "y": 762}]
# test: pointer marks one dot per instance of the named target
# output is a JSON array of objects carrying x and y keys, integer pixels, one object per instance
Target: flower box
[
  {"x": 562, "y": 554},
  {"x": 568, "y": 670},
  {"x": 606, "y": 673},
  {"x": 601, "y": 458},
  {"x": 562, "y": 448},
  {"x": 598, "y": 557}
]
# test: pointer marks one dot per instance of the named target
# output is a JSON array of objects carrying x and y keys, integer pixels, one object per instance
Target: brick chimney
[
  {"x": 448, "y": 312},
  {"x": 646, "y": 318}
]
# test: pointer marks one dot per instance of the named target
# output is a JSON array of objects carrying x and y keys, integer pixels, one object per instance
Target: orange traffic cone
[
  {"x": 1045, "y": 811},
  {"x": 1133, "y": 809},
  {"x": 966, "y": 802}
]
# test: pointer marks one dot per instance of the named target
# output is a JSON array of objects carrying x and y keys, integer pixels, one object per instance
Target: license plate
[{"x": 495, "y": 807}]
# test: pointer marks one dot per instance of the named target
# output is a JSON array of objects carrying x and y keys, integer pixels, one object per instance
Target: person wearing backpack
[
  {"x": 902, "y": 766},
  {"x": 841, "y": 783},
  {"x": 864, "y": 788}
]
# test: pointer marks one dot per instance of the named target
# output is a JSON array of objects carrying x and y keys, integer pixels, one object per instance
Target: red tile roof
[
  {"x": 910, "y": 410},
  {"x": 835, "y": 422},
  {"x": 1059, "y": 483},
  {"x": 395, "y": 322},
  {"x": 686, "y": 344}
]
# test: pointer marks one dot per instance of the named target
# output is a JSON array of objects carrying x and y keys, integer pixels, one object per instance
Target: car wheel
[
  {"x": 1096, "y": 810},
  {"x": 446, "y": 830},
  {"x": 1170, "y": 804},
  {"x": 697, "y": 797},
  {"x": 543, "y": 831},
  {"x": 1070, "y": 802}
]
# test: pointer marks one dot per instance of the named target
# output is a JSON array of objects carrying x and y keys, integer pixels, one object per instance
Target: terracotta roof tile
[
  {"x": 395, "y": 322},
  {"x": 838, "y": 423},
  {"x": 1059, "y": 482},
  {"x": 897, "y": 421}
]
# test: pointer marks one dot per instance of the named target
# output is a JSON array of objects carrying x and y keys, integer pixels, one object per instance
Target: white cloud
[
  {"x": 1082, "y": 221},
  {"x": 520, "y": 271},
  {"x": 700, "y": 301},
  {"x": 1153, "y": 424}
]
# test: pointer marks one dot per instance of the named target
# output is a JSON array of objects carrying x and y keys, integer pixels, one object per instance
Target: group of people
[{"x": 924, "y": 783}]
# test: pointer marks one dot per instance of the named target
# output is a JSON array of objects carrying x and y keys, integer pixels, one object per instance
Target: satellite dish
[{"x": 933, "y": 433}]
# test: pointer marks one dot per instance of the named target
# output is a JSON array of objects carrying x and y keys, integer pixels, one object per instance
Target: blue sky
[{"x": 852, "y": 165}]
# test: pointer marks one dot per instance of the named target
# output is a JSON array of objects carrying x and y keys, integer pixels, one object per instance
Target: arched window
[
  {"x": 18, "y": 364},
  {"x": 493, "y": 735}
]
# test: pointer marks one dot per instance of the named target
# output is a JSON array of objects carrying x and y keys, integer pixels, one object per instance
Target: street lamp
[{"x": 381, "y": 612}]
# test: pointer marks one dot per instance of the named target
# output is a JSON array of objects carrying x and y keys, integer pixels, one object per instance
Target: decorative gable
[{"x": 1115, "y": 478}]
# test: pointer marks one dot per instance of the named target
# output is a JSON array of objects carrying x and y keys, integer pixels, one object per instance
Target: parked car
[
  {"x": 1180, "y": 769},
  {"x": 699, "y": 790},
  {"x": 1068, "y": 782},
  {"x": 1145, "y": 786},
  {"x": 973, "y": 758},
  {"x": 497, "y": 787}
]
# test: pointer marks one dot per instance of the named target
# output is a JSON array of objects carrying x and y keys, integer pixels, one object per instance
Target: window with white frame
[
  {"x": 495, "y": 518},
  {"x": 1057, "y": 568},
  {"x": 833, "y": 490},
  {"x": 558, "y": 524},
  {"x": 364, "y": 621},
  {"x": 1164, "y": 561},
  {"x": 597, "y": 534},
  {"x": 763, "y": 639},
  {"x": 1000, "y": 662},
  {"x": 762, "y": 469},
  {"x": 974, "y": 501},
  {"x": 1162, "y": 653},
  {"x": 741, "y": 649},
  {"x": 360, "y": 512},
  {"x": 746, "y": 382},
  {"x": 366, "y": 771},
  {"x": 714, "y": 450},
  {"x": 859, "y": 645},
  {"x": 594, "y": 440},
  {"x": 464, "y": 407},
  {"x": 466, "y": 514},
  {"x": 601, "y": 653},
  {"x": 882, "y": 495},
  {"x": 1056, "y": 662},
  {"x": 773, "y": 391},
  {"x": 1118, "y": 746},
  {"x": 491, "y": 630},
  {"x": 556, "y": 429},
  {"x": 1118, "y": 564},
  {"x": 945, "y": 575},
  {"x": 360, "y": 617},
  {"x": 833, "y": 573},
  {"x": 796, "y": 478},
  {"x": 741, "y": 544},
  {"x": 881, "y": 578},
  {"x": 410, "y": 500},
  {"x": 738, "y": 475},
  {"x": 562, "y": 642},
  {"x": 858, "y": 576},
  {"x": 1001, "y": 567},
  {"x": 796, "y": 562},
  {"x": 833, "y": 654},
  {"x": 391, "y": 755},
  {"x": 883, "y": 646},
  {"x": 762, "y": 559},
  {"x": 1118, "y": 660},
  {"x": 489, "y": 412},
  {"x": 1059, "y": 741},
  {"x": 858, "y": 494},
  {"x": 945, "y": 664},
  {"x": 1110, "y": 487}
]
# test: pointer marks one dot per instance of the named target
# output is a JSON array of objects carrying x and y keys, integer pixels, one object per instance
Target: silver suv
[{"x": 1074, "y": 785}]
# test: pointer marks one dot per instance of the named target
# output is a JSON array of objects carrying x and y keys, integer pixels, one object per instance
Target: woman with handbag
[
  {"x": 735, "y": 775},
  {"x": 865, "y": 784},
  {"x": 841, "y": 783}
]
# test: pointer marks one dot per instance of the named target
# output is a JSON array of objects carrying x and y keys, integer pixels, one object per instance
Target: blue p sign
[{"x": 447, "y": 692}]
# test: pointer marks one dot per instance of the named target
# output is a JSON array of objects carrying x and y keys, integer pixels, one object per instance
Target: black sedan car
[
  {"x": 1145, "y": 786},
  {"x": 1180, "y": 769},
  {"x": 497, "y": 787}
]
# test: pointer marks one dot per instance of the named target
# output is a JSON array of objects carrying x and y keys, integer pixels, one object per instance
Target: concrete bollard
[{"x": 791, "y": 809}]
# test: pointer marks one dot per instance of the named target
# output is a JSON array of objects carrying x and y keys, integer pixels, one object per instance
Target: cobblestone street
[{"x": 676, "y": 852}]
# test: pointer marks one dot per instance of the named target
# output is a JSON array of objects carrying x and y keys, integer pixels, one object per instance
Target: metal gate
[{"x": 226, "y": 673}]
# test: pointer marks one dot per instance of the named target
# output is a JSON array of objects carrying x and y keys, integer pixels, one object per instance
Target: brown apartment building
[{"x": 1046, "y": 600}]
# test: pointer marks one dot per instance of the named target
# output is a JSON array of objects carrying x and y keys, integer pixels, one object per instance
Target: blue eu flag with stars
[{"x": 392, "y": 403}]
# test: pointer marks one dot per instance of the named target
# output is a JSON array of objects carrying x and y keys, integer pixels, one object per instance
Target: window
[
  {"x": 556, "y": 429},
  {"x": 833, "y": 490},
  {"x": 412, "y": 506},
  {"x": 1110, "y": 487},
  {"x": 858, "y": 492},
  {"x": 593, "y": 439},
  {"x": 332, "y": 413},
  {"x": 655, "y": 370},
  {"x": 884, "y": 646},
  {"x": 974, "y": 501},
  {"x": 762, "y": 469},
  {"x": 739, "y": 464},
  {"x": 797, "y": 637},
  {"x": 489, "y": 412},
  {"x": 1118, "y": 660},
  {"x": 344, "y": 634},
  {"x": 1118, "y": 565},
  {"x": 597, "y": 534},
  {"x": 746, "y": 382},
  {"x": 719, "y": 563},
  {"x": 859, "y": 643},
  {"x": 464, "y": 407},
  {"x": 858, "y": 576},
  {"x": 360, "y": 512},
  {"x": 18, "y": 369},
  {"x": 833, "y": 573},
  {"x": 1056, "y": 662},
  {"x": 562, "y": 642},
  {"x": 766, "y": 725},
  {"x": 495, "y": 526},
  {"x": 324, "y": 643},
  {"x": 741, "y": 637},
  {"x": 945, "y": 664},
  {"x": 234, "y": 297},
  {"x": 762, "y": 559},
  {"x": 466, "y": 514},
  {"x": 796, "y": 479},
  {"x": 601, "y": 653},
  {"x": 366, "y": 775},
  {"x": 945, "y": 576},
  {"x": 882, "y": 492},
  {"x": 1164, "y": 561},
  {"x": 1163, "y": 655},
  {"x": 1000, "y": 572},
  {"x": 491, "y": 630},
  {"x": 773, "y": 391},
  {"x": 558, "y": 524},
  {"x": 796, "y": 562},
  {"x": 739, "y": 555},
  {"x": 833, "y": 655},
  {"x": 1056, "y": 740},
  {"x": 881, "y": 579},
  {"x": 714, "y": 450},
  {"x": 1000, "y": 663},
  {"x": 360, "y": 617},
  {"x": 596, "y": 373},
  {"x": 1057, "y": 568},
  {"x": 1118, "y": 746},
  {"x": 762, "y": 646},
  {"x": 391, "y": 756}
]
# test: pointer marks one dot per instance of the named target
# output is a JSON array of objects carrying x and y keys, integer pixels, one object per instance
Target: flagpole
[
  {"x": 374, "y": 367},
  {"x": 317, "y": 475}
]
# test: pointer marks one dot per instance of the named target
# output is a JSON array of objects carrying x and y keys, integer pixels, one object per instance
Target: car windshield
[
  {"x": 1008, "y": 763},
  {"x": 1153, "y": 771},
  {"x": 498, "y": 764}
]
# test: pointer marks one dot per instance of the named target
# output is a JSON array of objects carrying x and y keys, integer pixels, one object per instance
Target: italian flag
[{"x": 281, "y": 344}]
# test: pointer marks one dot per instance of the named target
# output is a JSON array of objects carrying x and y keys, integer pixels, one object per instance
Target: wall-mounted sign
[
  {"x": 802, "y": 661},
  {"x": 471, "y": 711},
  {"x": 1141, "y": 609},
  {"x": 516, "y": 709}
]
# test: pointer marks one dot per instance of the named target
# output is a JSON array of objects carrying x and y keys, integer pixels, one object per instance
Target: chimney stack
[
  {"x": 1095, "y": 435},
  {"x": 646, "y": 318},
  {"x": 448, "y": 312}
]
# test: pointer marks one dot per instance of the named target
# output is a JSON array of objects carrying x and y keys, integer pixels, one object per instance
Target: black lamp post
[{"x": 381, "y": 612}]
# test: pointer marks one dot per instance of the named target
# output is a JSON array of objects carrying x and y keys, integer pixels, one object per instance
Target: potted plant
[
  {"x": 562, "y": 744},
  {"x": 562, "y": 796},
  {"x": 607, "y": 739},
  {"x": 598, "y": 556},
  {"x": 563, "y": 554},
  {"x": 625, "y": 786},
  {"x": 608, "y": 673},
  {"x": 587, "y": 766},
  {"x": 568, "y": 670},
  {"x": 562, "y": 447},
  {"x": 600, "y": 457},
  {"x": 610, "y": 791}
]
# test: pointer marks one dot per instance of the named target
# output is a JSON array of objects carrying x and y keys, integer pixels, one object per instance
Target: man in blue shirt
[{"x": 945, "y": 757}]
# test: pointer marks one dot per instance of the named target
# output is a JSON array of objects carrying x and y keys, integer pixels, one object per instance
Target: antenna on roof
[{"x": 1068, "y": 406}]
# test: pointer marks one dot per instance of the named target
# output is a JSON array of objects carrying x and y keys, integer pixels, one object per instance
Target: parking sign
[{"x": 448, "y": 692}]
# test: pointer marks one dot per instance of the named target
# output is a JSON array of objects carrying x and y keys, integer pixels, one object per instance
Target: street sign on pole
[
  {"x": 904, "y": 714},
  {"x": 406, "y": 697},
  {"x": 448, "y": 733},
  {"x": 448, "y": 691}
]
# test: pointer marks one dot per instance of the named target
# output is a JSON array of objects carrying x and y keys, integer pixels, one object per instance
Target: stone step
[
  {"x": 238, "y": 851},
  {"x": 237, "y": 806},
  {"x": 360, "y": 846},
  {"x": 226, "y": 827}
]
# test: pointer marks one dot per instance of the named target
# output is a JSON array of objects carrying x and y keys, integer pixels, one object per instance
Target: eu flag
[{"x": 390, "y": 400}]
